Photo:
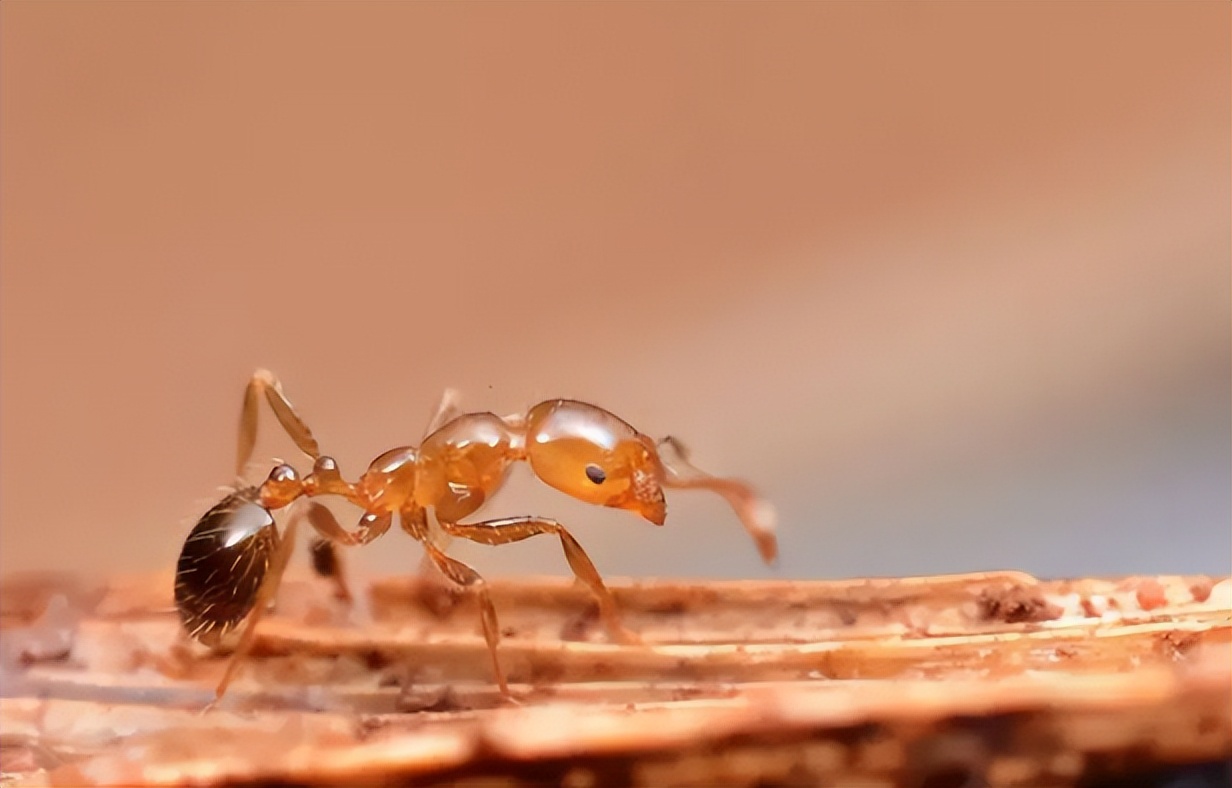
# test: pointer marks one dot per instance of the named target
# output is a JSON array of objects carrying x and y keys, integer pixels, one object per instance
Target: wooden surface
[{"x": 991, "y": 679}]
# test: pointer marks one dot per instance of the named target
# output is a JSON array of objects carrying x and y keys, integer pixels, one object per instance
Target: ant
[{"x": 233, "y": 560}]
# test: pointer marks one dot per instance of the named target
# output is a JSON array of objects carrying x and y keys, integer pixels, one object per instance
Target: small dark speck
[{"x": 374, "y": 659}]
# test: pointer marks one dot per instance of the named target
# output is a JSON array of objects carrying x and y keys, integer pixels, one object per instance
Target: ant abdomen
[{"x": 222, "y": 565}]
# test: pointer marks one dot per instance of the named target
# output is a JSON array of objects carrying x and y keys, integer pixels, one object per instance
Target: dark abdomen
[{"x": 222, "y": 565}]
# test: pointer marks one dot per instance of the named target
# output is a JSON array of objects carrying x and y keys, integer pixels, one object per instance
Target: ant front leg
[
  {"x": 515, "y": 529},
  {"x": 263, "y": 382}
]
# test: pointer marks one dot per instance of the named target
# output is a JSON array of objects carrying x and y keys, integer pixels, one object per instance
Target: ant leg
[
  {"x": 264, "y": 382},
  {"x": 330, "y": 533},
  {"x": 371, "y": 525},
  {"x": 269, "y": 589},
  {"x": 467, "y": 577},
  {"x": 328, "y": 564},
  {"x": 756, "y": 514},
  {"x": 446, "y": 411},
  {"x": 515, "y": 529}
]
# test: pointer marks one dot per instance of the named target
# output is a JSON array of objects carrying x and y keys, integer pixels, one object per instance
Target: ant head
[{"x": 589, "y": 454}]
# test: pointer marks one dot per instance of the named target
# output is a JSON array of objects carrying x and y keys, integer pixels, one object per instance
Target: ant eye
[{"x": 595, "y": 474}]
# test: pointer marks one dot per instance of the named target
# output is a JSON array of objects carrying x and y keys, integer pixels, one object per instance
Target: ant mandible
[{"x": 233, "y": 559}]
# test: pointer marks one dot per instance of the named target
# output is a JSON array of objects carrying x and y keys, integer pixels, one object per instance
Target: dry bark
[{"x": 989, "y": 679}]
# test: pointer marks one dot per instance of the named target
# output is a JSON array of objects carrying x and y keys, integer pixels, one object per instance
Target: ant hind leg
[
  {"x": 264, "y": 382},
  {"x": 266, "y": 594}
]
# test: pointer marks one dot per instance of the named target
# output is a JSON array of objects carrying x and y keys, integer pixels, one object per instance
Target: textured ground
[{"x": 990, "y": 679}]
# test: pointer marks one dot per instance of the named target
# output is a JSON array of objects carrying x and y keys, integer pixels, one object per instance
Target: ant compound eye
[{"x": 595, "y": 474}]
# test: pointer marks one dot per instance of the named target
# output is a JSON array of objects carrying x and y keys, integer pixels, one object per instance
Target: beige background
[{"x": 949, "y": 281}]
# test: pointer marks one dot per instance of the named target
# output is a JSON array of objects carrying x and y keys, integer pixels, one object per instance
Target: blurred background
[{"x": 948, "y": 281}]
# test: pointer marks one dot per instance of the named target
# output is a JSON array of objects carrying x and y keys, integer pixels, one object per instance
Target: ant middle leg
[
  {"x": 515, "y": 529},
  {"x": 467, "y": 577},
  {"x": 326, "y": 561},
  {"x": 433, "y": 589},
  {"x": 264, "y": 382},
  {"x": 328, "y": 564},
  {"x": 447, "y": 409}
]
